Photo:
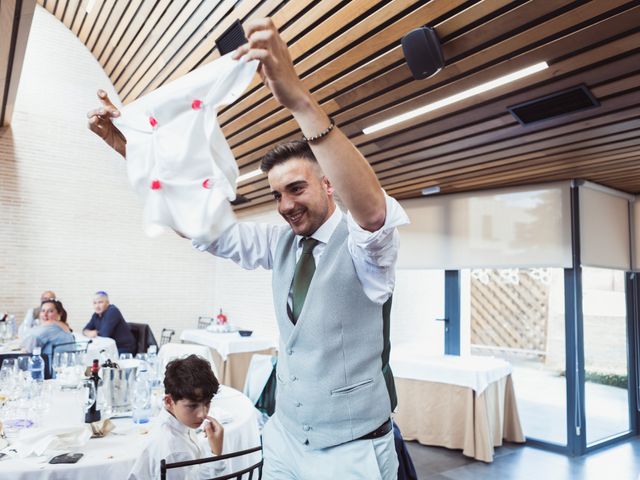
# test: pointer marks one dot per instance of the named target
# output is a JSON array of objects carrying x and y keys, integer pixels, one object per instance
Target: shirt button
[
  {"x": 289, "y": 351},
  {"x": 306, "y": 428},
  {"x": 293, "y": 378},
  {"x": 298, "y": 404}
]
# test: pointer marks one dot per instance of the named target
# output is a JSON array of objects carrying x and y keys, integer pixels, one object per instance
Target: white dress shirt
[
  {"x": 175, "y": 442},
  {"x": 374, "y": 254}
]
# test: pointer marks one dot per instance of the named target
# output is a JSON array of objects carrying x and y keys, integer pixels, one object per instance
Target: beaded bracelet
[{"x": 323, "y": 133}]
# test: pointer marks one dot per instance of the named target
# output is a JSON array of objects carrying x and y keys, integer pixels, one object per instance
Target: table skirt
[{"x": 455, "y": 417}]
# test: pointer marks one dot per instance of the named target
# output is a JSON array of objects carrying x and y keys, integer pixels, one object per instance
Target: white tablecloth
[
  {"x": 470, "y": 371},
  {"x": 99, "y": 344},
  {"x": 113, "y": 456},
  {"x": 227, "y": 343}
]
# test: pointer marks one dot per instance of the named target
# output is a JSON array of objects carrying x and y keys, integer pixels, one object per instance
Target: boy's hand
[
  {"x": 215, "y": 435},
  {"x": 100, "y": 123}
]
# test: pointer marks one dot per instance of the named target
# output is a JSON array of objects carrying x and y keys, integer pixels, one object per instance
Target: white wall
[{"x": 68, "y": 218}]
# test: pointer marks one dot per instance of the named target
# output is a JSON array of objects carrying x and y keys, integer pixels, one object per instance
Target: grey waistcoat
[{"x": 334, "y": 382}]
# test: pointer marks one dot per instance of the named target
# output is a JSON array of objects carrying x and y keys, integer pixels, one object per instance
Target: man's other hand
[{"x": 100, "y": 123}]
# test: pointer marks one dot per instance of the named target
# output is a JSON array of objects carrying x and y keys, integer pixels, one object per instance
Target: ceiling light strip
[{"x": 483, "y": 87}]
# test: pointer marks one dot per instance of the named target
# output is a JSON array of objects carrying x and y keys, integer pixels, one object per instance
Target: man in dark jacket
[{"x": 109, "y": 322}]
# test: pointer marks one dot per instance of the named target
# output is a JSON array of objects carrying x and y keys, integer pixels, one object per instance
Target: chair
[
  {"x": 77, "y": 347},
  {"x": 260, "y": 384},
  {"x": 166, "y": 335},
  {"x": 171, "y": 351},
  {"x": 204, "y": 322},
  {"x": 47, "y": 368},
  {"x": 143, "y": 335},
  {"x": 72, "y": 347},
  {"x": 227, "y": 476}
]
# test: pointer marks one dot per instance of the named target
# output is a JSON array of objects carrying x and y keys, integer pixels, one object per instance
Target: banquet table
[
  {"x": 465, "y": 403},
  {"x": 231, "y": 352},
  {"x": 113, "y": 455}
]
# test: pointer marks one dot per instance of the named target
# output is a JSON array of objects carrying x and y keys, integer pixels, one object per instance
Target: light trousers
[{"x": 285, "y": 458}]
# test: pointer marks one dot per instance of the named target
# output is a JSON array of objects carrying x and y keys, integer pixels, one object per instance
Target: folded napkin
[
  {"x": 41, "y": 441},
  {"x": 101, "y": 428},
  {"x": 178, "y": 160}
]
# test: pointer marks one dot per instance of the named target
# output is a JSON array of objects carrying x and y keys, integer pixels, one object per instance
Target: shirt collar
[
  {"x": 324, "y": 232},
  {"x": 173, "y": 422}
]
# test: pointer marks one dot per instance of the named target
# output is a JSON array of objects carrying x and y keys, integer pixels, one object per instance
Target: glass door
[
  {"x": 518, "y": 315},
  {"x": 418, "y": 303},
  {"x": 605, "y": 354}
]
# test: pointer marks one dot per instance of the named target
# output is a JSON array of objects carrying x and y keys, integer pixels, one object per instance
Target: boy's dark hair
[
  {"x": 190, "y": 378},
  {"x": 286, "y": 151}
]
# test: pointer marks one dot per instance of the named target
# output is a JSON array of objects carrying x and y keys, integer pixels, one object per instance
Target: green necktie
[{"x": 305, "y": 268}]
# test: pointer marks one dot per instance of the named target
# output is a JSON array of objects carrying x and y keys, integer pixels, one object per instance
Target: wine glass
[{"x": 59, "y": 363}]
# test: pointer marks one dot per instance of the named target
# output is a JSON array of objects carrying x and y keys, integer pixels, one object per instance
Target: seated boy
[{"x": 189, "y": 386}]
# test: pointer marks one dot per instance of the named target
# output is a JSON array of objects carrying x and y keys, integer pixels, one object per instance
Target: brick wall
[{"x": 68, "y": 219}]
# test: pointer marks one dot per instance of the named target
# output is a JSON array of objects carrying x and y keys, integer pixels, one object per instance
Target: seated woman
[{"x": 52, "y": 330}]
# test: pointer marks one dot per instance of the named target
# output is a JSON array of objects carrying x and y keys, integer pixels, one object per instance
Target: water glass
[{"x": 88, "y": 390}]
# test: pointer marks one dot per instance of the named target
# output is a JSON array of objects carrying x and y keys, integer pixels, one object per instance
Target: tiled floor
[{"x": 619, "y": 462}]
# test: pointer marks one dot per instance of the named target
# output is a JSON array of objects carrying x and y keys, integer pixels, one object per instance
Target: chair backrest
[
  {"x": 204, "y": 322},
  {"x": 166, "y": 335},
  {"x": 79, "y": 347},
  {"x": 75, "y": 347},
  {"x": 47, "y": 368},
  {"x": 249, "y": 471},
  {"x": 260, "y": 384},
  {"x": 143, "y": 335},
  {"x": 169, "y": 351}
]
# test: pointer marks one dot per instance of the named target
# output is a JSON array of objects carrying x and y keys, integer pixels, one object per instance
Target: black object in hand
[{"x": 67, "y": 458}]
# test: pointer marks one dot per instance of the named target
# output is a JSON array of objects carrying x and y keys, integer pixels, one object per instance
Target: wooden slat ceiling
[{"x": 348, "y": 54}]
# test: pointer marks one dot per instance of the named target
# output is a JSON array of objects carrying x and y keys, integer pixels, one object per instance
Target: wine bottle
[{"x": 93, "y": 414}]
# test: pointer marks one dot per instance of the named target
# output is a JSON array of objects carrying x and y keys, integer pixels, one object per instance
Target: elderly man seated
[
  {"x": 33, "y": 314},
  {"x": 109, "y": 322}
]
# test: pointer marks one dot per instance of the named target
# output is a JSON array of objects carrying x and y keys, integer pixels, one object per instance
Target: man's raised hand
[{"x": 100, "y": 123}]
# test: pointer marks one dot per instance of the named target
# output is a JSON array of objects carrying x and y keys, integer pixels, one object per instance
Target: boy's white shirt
[{"x": 175, "y": 442}]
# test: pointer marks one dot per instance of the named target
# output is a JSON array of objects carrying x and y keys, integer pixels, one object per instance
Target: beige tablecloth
[{"x": 453, "y": 416}]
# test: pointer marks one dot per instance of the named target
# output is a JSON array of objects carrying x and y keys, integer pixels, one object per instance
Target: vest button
[
  {"x": 293, "y": 378},
  {"x": 306, "y": 428},
  {"x": 298, "y": 404},
  {"x": 289, "y": 351}
]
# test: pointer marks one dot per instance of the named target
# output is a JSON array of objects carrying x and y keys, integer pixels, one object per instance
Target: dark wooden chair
[
  {"x": 238, "y": 475},
  {"x": 47, "y": 368},
  {"x": 143, "y": 335}
]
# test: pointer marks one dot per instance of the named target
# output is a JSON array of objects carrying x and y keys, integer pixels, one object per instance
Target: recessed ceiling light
[
  {"x": 483, "y": 87},
  {"x": 248, "y": 175},
  {"x": 89, "y": 6},
  {"x": 431, "y": 190}
]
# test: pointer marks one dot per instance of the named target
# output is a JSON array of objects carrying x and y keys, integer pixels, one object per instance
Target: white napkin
[
  {"x": 177, "y": 157},
  {"x": 38, "y": 441}
]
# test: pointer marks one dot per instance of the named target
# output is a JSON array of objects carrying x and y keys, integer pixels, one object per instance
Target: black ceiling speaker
[
  {"x": 422, "y": 52},
  {"x": 231, "y": 39}
]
